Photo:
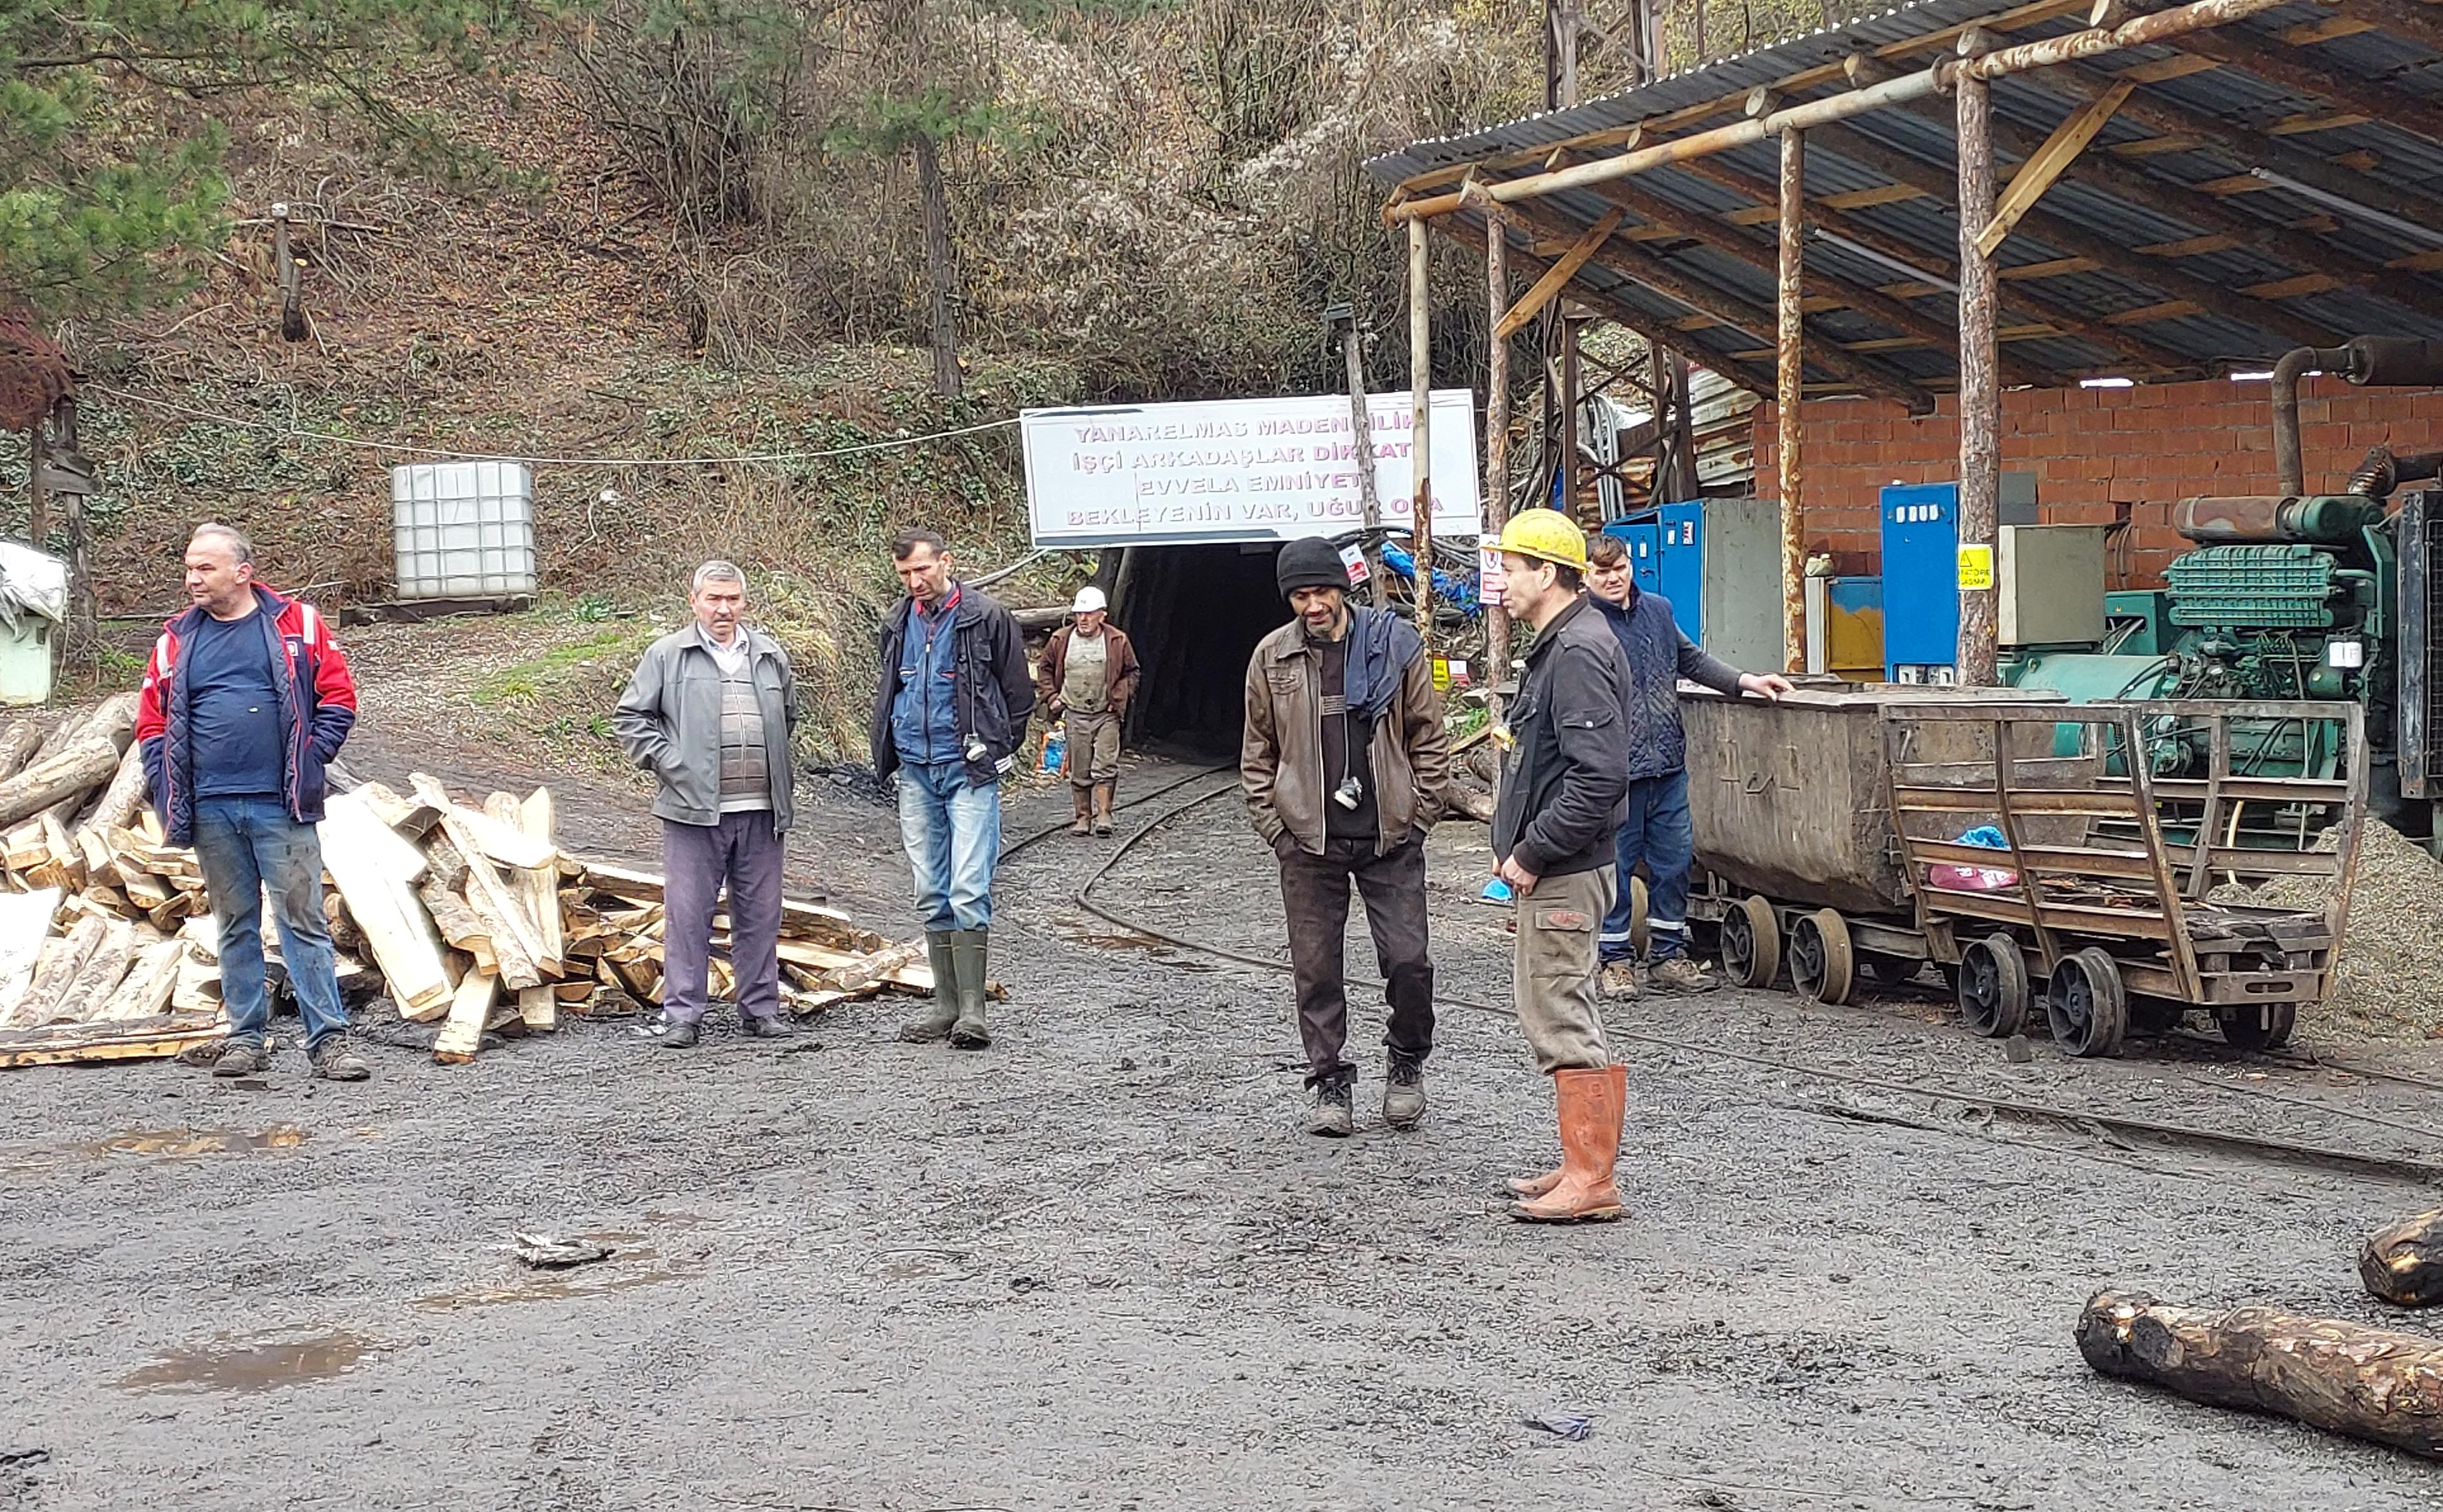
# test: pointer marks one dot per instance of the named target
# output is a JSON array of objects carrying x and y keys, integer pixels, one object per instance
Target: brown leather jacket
[
  {"x": 1054, "y": 664},
  {"x": 1281, "y": 758}
]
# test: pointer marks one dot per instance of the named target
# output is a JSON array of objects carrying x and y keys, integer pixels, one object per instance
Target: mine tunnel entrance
[{"x": 1195, "y": 614}]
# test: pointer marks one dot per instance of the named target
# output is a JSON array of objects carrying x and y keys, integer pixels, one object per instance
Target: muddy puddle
[
  {"x": 625, "y": 1271},
  {"x": 247, "y": 1365},
  {"x": 178, "y": 1143}
]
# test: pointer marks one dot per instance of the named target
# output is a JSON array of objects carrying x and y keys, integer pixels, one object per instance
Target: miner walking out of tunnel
[
  {"x": 1346, "y": 766},
  {"x": 1087, "y": 673},
  {"x": 951, "y": 709},
  {"x": 1657, "y": 828},
  {"x": 1562, "y": 783}
]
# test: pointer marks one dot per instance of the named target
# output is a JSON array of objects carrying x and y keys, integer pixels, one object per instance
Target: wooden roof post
[
  {"x": 1790, "y": 390},
  {"x": 1421, "y": 399},
  {"x": 1980, "y": 395},
  {"x": 1497, "y": 444}
]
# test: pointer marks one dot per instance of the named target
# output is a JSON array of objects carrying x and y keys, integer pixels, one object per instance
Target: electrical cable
[
  {"x": 2399, "y": 1167},
  {"x": 297, "y": 432}
]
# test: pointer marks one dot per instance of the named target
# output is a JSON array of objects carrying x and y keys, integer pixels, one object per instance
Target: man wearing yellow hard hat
[{"x": 1564, "y": 778}]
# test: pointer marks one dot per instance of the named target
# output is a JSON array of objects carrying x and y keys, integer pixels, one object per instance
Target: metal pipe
[
  {"x": 1420, "y": 401},
  {"x": 2295, "y": 365},
  {"x": 1790, "y": 390},
  {"x": 2197, "y": 16}
]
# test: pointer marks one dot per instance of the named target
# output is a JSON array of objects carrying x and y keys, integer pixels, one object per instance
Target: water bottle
[{"x": 1055, "y": 752}]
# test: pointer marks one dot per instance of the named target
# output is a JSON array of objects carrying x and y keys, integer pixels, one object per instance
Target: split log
[
  {"x": 507, "y": 845},
  {"x": 60, "y": 735},
  {"x": 65, "y": 855},
  {"x": 147, "y": 1040},
  {"x": 512, "y": 934},
  {"x": 2339, "y": 1376},
  {"x": 98, "y": 978},
  {"x": 60, "y": 961},
  {"x": 539, "y": 816},
  {"x": 2404, "y": 1263},
  {"x": 538, "y": 1008},
  {"x": 393, "y": 851},
  {"x": 407, "y": 818},
  {"x": 65, "y": 777},
  {"x": 397, "y": 929},
  {"x": 19, "y": 740},
  {"x": 456, "y": 921},
  {"x": 119, "y": 802},
  {"x": 149, "y": 984},
  {"x": 469, "y": 1007}
]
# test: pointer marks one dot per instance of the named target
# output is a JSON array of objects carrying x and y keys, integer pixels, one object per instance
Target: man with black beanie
[{"x": 1345, "y": 767}]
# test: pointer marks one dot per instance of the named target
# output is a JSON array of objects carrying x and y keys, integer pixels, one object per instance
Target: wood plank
[
  {"x": 393, "y": 851},
  {"x": 61, "y": 960},
  {"x": 2051, "y": 161},
  {"x": 1532, "y": 303},
  {"x": 151, "y": 1040},
  {"x": 469, "y": 1007},
  {"x": 538, "y": 887},
  {"x": 24, "y": 928},
  {"x": 539, "y": 1007},
  {"x": 398, "y": 931}
]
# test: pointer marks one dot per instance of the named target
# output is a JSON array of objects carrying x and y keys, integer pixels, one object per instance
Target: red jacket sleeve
[{"x": 152, "y": 714}]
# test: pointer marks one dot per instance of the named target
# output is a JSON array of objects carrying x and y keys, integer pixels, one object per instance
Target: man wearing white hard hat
[{"x": 1085, "y": 678}]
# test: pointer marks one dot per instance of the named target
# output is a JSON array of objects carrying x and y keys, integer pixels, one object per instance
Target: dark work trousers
[
  {"x": 1314, "y": 893},
  {"x": 746, "y": 851}
]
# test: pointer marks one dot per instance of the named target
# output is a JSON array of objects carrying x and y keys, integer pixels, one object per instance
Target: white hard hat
[{"x": 1089, "y": 600}]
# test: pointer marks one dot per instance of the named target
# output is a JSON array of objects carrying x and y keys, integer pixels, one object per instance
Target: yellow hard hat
[{"x": 1547, "y": 535}]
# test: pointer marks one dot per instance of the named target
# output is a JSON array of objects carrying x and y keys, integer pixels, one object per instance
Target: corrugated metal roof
[{"x": 2238, "y": 234}]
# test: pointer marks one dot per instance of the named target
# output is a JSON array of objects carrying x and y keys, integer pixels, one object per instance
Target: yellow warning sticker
[{"x": 1975, "y": 566}]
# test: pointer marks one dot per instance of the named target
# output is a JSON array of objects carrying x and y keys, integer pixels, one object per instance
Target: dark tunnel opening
[{"x": 1195, "y": 614}]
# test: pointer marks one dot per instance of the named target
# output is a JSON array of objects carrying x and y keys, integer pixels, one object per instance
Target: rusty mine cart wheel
[
  {"x": 2243, "y": 1030},
  {"x": 1822, "y": 964},
  {"x": 2089, "y": 1007},
  {"x": 1994, "y": 988},
  {"x": 1751, "y": 944}
]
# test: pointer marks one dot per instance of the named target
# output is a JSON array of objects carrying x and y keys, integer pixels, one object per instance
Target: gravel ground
[{"x": 1096, "y": 1267}]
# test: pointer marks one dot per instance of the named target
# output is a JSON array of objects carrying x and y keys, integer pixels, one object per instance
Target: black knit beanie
[{"x": 1313, "y": 562}]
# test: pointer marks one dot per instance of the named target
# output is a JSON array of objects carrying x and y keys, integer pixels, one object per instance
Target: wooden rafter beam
[
  {"x": 1763, "y": 255},
  {"x": 1655, "y": 330},
  {"x": 1531, "y": 304},
  {"x": 2048, "y": 163},
  {"x": 1736, "y": 309},
  {"x": 1932, "y": 44},
  {"x": 2419, "y": 21},
  {"x": 2015, "y": 298},
  {"x": 2295, "y": 69},
  {"x": 2065, "y": 236},
  {"x": 2253, "y": 149}
]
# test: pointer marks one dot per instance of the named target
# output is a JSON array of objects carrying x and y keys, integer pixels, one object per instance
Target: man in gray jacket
[{"x": 709, "y": 713}]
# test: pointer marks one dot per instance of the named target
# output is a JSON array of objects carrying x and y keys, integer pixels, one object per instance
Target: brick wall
[{"x": 2093, "y": 451}]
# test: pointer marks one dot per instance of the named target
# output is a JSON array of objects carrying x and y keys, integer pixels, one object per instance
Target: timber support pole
[
  {"x": 1497, "y": 445},
  {"x": 1980, "y": 395},
  {"x": 1421, "y": 398},
  {"x": 1361, "y": 433},
  {"x": 1789, "y": 389}
]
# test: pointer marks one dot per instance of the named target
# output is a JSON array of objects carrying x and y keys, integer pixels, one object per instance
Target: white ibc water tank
[{"x": 463, "y": 529}]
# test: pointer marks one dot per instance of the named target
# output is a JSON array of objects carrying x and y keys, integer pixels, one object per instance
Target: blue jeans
[
  {"x": 952, "y": 830},
  {"x": 245, "y": 845},
  {"x": 1659, "y": 833}
]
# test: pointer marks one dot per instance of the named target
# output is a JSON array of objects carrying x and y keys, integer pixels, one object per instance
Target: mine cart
[
  {"x": 2027, "y": 850},
  {"x": 2131, "y": 897}
]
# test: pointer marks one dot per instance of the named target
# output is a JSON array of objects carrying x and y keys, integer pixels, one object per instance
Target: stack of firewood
[{"x": 462, "y": 914}]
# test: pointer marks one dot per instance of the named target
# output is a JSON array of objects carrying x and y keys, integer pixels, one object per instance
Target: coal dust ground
[{"x": 1096, "y": 1267}]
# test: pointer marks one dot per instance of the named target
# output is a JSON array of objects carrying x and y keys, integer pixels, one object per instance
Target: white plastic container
[{"x": 463, "y": 529}]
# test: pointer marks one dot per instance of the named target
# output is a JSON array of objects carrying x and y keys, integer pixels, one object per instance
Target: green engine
[{"x": 2283, "y": 599}]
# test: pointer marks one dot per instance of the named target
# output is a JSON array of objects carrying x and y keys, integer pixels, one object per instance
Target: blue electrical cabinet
[
  {"x": 1921, "y": 581},
  {"x": 1667, "y": 555}
]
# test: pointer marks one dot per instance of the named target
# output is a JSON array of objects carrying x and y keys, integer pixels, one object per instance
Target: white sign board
[{"x": 1239, "y": 469}]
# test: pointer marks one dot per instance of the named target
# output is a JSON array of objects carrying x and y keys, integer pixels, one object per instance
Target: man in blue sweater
[{"x": 1657, "y": 829}]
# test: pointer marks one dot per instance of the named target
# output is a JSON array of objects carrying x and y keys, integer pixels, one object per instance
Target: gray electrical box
[
  {"x": 2049, "y": 580},
  {"x": 1743, "y": 581}
]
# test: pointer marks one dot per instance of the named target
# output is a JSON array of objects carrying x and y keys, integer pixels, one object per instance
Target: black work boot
[
  {"x": 241, "y": 1057},
  {"x": 968, "y": 954},
  {"x": 1333, "y": 1113},
  {"x": 932, "y": 1021},
  {"x": 1403, "y": 1093},
  {"x": 334, "y": 1062}
]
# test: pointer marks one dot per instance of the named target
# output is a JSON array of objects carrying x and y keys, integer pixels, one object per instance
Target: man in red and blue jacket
[{"x": 245, "y": 700}]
